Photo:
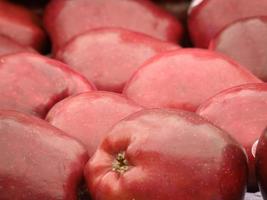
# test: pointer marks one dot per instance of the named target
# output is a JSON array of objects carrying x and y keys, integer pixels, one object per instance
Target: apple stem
[{"x": 120, "y": 164}]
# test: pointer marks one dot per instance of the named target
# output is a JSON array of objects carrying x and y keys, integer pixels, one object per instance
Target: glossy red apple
[
  {"x": 32, "y": 84},
  {"x": 241, "y": 111},
  {"x": 65, "y": 19},
  {"x": 89, "y": 116},
  {"x": 21, "y": 25},
  {"x": 109, "y": 56},
  {"x": 261, "y": 164},
  {"x": 37, "y": 162},
  {"x": 8, "y": 46},
  {"x": 208, "y": 17},
  {"x": 245, "y": 41},
  {"x": 184, "y": 79},
  {"x": 158, "y": 154}
]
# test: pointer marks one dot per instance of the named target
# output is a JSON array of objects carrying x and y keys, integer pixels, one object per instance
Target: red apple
[
  {"x": 109, "y": 56},
  {"x": 8, "y": 46},
  {"x": 208, "y": 17},
  {"x": 21, "y": 25},
  {"x": 158, "y": 154},
  {"x": 241, "y": 111},
  {"x": 261, "y": 164},
  {"x": 37, "y": 162},
  {"x": 65, "y": 19},
  {"x": 245, "y": 41},
  {"x": 88, "y": 116},
  {"x": 184, "y": 79},
  {"x": 32, "y": 84}
]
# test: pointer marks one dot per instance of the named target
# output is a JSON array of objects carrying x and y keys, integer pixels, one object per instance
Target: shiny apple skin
[
  {"x": 241, "y": 111},
  {"x": 245, "y": 41},
  {"x": 171, "y": 155},
  {"x": 109, "y": 56},
  {"x": 261, "y": 164},
  {"x": 9, "y": 46},
  {"x": 184, "y": 78},
  {"x": 208, "y": 17},
  {"x": 65, "y": 19},
  {"x": 21, "y": 25},
  {"x": 32, "y": 84},
  {"x": 38, "y": 161},
  {"x": 89, "y": 116}
]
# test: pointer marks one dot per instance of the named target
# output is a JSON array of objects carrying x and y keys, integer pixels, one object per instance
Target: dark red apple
[
  {"x": 184, "y": 79},
  {"x": 88, "y": 116},
  {"x": 65, "y": 19},
  {"x": 261, "y": 164},
  {"x": 32, "y": 84},
  {"x": 166, "y": 155},
  {"x": 241, "y": 111},
  {"x": 21, "y": 25},
  {"x": 8, "y": 46},
  {"x": 38, "y": 162},
  {"x": 208, "y": 17},
  {"x": 245, "y": 41},
  {"x": 109, "y": 56}
]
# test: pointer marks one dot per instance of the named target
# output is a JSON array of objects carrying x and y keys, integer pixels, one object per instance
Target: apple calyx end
[{"x": 120, "y": 164}]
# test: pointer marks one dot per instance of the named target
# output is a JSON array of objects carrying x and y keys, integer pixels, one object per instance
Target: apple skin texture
[
  {"x": 109, "y": 56},
  {"x": 32, "y": 84},
  {"x": 164, "y": 150},
  {"x": 208, "y": 17},
  {"x": 65, "y": 19},
  {"x": 38, "y": 161},
  {"x": 261, "y": 164},
  {"x": 245, "y": 41},
  {"x": 8, "y": 46},
  {"x": 88, "y": 116},
  {"x": 184, "y": 79},
  {"x": 241, "y": 111},
  {"x": 21, "y": 25}
]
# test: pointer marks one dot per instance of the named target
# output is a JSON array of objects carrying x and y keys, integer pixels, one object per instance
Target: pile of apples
[{"x": 133, "y": 99}]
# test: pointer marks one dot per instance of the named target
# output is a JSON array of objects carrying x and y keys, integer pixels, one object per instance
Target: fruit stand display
[{"x": 133, "y": 100}]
